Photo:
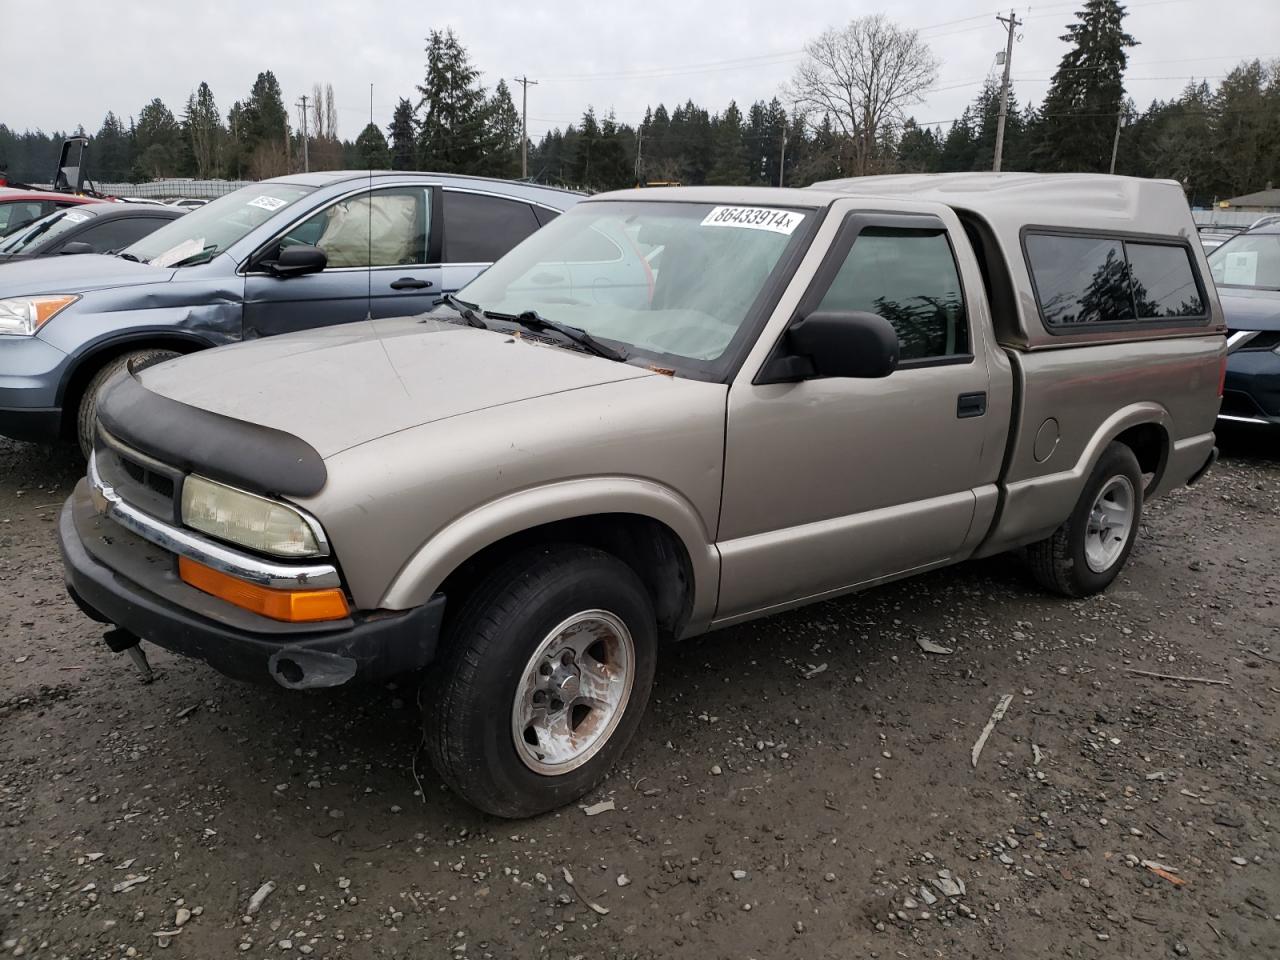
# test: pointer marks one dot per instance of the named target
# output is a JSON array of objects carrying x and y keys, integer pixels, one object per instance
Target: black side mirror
[
  {"x": 298, "y": 259},
  {"x": 76, "y": 246},
  {"x": 835, "y": 344}
]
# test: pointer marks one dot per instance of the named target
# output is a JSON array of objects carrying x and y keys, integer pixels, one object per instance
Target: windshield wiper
[
  {"x": 128, "y": 256},
  {"x": 532, "y": 320},
  {"x": 465, "y": 310}
]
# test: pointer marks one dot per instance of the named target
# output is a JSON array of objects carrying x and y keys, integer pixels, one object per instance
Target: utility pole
[
  {"x": 306, "y": 159},
  {"x": 1013, "y": 23},
  {"x": 525, "y": 83},
  {"x": 1115, "y": 144},
  {"x": 640, "y": 156}
]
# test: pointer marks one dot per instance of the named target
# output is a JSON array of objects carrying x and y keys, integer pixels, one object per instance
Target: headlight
[
  {"x": 23, "y": 316},
  {"x": 248, "y": 520}
]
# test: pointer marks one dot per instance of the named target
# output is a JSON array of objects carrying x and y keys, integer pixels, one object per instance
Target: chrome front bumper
[{"x": 184, "y": 543}]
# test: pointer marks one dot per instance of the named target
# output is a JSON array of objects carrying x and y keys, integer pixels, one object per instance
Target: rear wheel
[
  {"x": 1088, "y": 551},
  {"x": 545, "y": 674},
  {"x": 87, "y": 415}
]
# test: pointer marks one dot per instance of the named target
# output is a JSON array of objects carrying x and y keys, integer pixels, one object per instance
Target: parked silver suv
[{"x": 668, "y": 411}]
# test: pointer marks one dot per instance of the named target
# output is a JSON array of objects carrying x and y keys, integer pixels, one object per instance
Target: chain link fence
[{"x": 179, "y": 188}]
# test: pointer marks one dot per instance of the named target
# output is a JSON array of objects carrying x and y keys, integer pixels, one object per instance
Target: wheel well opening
[
  {"x": 649, "y": 547},
  {"x": 95, "y": 361},
  {"x": 1150, "y": 444}
]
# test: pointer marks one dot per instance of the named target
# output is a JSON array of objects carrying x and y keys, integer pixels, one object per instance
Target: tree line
[{"x": 833, "y": 119}]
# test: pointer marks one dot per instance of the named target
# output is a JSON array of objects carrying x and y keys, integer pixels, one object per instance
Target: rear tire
[
  {"x": 1085, "y": 554},
  {"x": 544, "y": 676},
  {"x": 87, "y": 415}
]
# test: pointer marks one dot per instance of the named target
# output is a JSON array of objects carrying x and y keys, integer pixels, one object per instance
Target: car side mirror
[
  {"x": 298, "y": 259},
  {"x": 835, "y": 344},
  {"x": 75, "y": 246}
]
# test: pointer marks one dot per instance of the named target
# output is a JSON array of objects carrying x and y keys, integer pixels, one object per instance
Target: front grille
[{"x": 140, "y": 480}]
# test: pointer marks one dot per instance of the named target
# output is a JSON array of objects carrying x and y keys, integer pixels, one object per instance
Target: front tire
[
  {"x": 545, "y": 674},
  {"x": 1085, "y": 554},
  {"x": 87, "y": 414}
]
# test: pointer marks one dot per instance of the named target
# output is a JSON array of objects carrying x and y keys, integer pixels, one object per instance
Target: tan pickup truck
[{"x": 668, "y": 411}]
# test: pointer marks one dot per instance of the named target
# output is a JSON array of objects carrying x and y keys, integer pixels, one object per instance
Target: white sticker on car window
[
  {"x": 1240, "y": 269},
  {"x": 754, "y": 218},
  {"x": 74, "y": 217},
  {"x": 268, "y": 203}
]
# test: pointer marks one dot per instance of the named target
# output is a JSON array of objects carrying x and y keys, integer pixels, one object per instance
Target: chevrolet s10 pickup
[{"x": 666, "y": 412}]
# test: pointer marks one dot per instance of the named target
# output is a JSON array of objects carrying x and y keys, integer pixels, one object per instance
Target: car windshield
[
  {"x": 1248, "y": 260},
  {"x": 207, "y": 231},
  {"x": 672, "y": 279},
  {"x": 43, "y": 229}
]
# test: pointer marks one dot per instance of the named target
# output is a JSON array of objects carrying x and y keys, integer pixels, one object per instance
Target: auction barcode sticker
[
  {"x": 754, "y": 218},
  {"x": 268, "y": 203}
]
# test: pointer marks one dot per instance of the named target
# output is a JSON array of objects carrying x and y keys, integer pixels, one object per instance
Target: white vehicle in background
[{"x": 187, "y": 203}]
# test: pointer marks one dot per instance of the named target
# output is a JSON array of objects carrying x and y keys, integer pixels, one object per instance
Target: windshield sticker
[
  {"x": 754, "y": 218},
  {"x": 1240, "y": 269},
  {"x": 268, "y": 203},
  {"x": 73, "y": 217}
]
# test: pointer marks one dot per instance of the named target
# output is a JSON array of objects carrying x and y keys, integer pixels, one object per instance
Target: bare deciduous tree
[{"x": 862, "y": 76}]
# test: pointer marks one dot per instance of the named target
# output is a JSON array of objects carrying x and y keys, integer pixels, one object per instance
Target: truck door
[
  {"x": 380, "y": 262},
  {"x": 834, "y": 482}
]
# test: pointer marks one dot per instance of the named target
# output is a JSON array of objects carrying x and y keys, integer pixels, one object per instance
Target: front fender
[{"x": 432, "y": 562}]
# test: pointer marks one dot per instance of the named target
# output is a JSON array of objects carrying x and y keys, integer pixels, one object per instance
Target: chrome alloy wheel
[
  {"x": 573, "y": 692},
  {"x": 1110, "y": 523}
]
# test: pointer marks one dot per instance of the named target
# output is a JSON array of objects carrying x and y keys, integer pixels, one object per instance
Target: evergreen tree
[
  {"x": 1078, "y": 119},
  {"x": 260, "y": 129},
  {"x": 112, "y": 158},
  {"x": 403, "y": 136},
  {"x": 451, "y": 132},
  {"x": 729, "y": 149},
  {"x": 959, "y": 149},
  {"x": 157, "y": 143},
  {"x": 372, "y": 150},
  {"x": 501, "y": 134},
  {"x": 584, "y": 140},
  {"x": 919, "y": 149},
  {"x": 202, "y": 126}
]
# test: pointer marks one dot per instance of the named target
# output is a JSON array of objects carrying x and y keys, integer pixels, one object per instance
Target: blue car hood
[
  {"x": 1244, "y": 309},
  {"x": 77, "y": 274}
]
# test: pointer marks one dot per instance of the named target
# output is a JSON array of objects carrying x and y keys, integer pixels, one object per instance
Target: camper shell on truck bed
[{"x": 668, "y": 411}]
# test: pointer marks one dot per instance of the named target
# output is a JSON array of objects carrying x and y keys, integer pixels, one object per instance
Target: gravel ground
[{"x": 801, "y": 787}]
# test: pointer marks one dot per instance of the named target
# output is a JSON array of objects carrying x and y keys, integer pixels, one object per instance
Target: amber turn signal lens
[{"x": 292, "y": 606}]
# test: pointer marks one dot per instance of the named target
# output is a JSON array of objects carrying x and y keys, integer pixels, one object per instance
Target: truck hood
[
  {"x": 337, "y": 387},
  {"x": 1250, "y": 309},
  {"x": 77, "y": 274}
]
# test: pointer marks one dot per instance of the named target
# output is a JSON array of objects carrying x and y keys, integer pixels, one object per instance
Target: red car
[{"x": 21, "y": 207}]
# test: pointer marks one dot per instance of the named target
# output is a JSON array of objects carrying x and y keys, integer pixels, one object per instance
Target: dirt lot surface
[{"x": 801, "y": 787}]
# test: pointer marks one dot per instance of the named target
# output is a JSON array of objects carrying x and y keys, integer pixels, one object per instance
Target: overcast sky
[{"x": 615, "y": 55}]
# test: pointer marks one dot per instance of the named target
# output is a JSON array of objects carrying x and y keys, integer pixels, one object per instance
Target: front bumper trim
[
  {"x": 264, "y": 573},
  {"x": 374, "y": 646}
]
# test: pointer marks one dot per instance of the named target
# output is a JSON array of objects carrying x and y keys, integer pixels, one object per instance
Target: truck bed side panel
[{"x": 1086, "y": 396}]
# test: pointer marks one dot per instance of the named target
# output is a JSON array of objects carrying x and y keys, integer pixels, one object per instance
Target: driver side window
[{"x": 381, "y": 229}]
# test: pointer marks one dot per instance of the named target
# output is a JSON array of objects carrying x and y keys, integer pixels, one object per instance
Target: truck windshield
[
  {"x": 667, "y": 278},
  {"x": 1248, "y": 260},
  {"x": 207, "y": 231},
  {"x": 43, "y": 229}
]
